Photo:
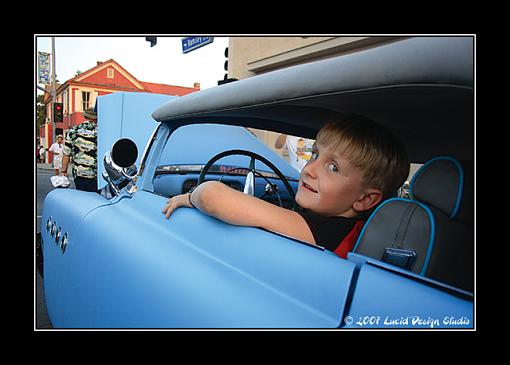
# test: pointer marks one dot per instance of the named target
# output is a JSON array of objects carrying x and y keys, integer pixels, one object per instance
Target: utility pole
[{"x": 53, "y": 90}]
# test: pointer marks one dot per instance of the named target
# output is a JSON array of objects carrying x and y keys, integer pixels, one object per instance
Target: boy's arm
[{"x": 229, "y": 205}]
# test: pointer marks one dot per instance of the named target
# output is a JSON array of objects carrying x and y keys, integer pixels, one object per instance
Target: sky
[{"x": 165, "y": 63}]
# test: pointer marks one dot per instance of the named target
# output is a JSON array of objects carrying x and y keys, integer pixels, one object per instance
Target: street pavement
[{"x": 43, "y": 187}]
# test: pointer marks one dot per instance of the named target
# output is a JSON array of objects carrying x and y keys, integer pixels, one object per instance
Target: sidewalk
[
  {"x": 44, "y": 166},
  {"x": 48, "y": 166}
]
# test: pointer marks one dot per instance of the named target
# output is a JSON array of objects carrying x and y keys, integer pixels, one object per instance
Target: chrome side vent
[
  {"x": 53, "y": 229},
  {"x": 58, "y": 235},
  {"x": 63, "y": 244}
]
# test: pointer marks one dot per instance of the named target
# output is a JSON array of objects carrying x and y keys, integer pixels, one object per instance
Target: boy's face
[{"x": 329, "y": 185}]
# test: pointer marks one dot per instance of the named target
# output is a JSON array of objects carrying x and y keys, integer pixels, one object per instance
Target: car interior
[
  {"x": 176, "y": 176},
  {"x": 432, "y": 233},
  {"x": 427, "y": 229}
]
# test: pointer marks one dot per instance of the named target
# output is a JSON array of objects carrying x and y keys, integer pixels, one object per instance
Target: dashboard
[{"x": 180, "y": 179}]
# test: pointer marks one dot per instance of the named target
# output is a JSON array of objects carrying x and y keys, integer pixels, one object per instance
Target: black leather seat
[{"x": 431, "y": 234}]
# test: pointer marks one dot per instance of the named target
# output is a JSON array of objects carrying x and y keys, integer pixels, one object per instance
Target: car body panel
[
  {"x": 67, "y": 209},
  {"x": 386, "y": 296},
  {"x": 391, "y": 296},
  {"x": 104, "y": 279}
]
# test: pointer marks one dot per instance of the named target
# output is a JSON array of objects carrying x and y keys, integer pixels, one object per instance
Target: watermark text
[{"x": 407, "y": 321}]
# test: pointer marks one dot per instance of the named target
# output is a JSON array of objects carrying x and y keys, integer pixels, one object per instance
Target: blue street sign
[{"x": 191, "y": 43}]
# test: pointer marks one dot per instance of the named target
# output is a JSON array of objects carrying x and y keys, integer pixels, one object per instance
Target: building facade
[{"x": 81, "y": 92}]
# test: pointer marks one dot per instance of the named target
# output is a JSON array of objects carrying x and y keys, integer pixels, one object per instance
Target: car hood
[{"x": 125, "y": 115}]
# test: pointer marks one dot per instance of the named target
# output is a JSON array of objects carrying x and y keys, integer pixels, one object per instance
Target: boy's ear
[{"x": 370, "y": 199}]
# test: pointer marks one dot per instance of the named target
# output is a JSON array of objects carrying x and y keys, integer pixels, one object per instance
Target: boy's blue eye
[
  {"x": 332, "y": 167},
  {"x": 315, "y": 155}
]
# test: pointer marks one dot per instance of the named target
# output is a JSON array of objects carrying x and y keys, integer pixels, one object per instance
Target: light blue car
[{"x": 112, "y": 260}]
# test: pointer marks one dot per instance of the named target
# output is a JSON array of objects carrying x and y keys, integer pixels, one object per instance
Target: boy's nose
[{"x": 309, "y": 169}]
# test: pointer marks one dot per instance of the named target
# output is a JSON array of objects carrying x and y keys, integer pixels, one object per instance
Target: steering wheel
[{"x": 250, "y": 181}]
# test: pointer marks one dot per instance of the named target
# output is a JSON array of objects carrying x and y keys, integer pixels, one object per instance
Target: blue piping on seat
[{"x": 460, "y": 190}]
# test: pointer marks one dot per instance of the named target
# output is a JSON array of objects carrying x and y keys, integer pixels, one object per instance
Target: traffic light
[
  {"x": 152, "y": 40},
  {"x": 58, "y": 112},
  {"x": 226, "y": 79},
  {"x": 225, "y": 66}
]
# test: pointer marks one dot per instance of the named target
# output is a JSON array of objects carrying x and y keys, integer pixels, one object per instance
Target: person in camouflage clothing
[{"x": 81, "y": 149}]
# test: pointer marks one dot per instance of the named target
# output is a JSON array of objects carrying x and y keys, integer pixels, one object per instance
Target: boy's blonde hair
[{"x": 372, "y": 148}]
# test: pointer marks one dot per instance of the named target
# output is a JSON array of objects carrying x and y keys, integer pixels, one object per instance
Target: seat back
[{"x": 431, "y": 234}]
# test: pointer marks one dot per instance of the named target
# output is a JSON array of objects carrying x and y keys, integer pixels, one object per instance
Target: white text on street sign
[{"x": 191, "y": 43}]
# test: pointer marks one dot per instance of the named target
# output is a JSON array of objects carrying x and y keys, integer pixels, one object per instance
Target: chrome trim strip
[{"x": 146, "y": 150}]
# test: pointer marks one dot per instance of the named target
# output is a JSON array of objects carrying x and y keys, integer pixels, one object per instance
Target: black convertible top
[{"x": 421, "y": 88}]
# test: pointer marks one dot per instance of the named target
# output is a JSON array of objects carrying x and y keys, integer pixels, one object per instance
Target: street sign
[
  {"x": 191, "y": 43},
  {"x": 43, "y": 62}
]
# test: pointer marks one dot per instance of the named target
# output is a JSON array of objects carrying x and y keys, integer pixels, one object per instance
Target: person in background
[
  {"x": 80, "y": 148},
  {"x": 299, "y": 149},
  {"x": 41, "y": 153},
  {"x": 56, "y": 150}
]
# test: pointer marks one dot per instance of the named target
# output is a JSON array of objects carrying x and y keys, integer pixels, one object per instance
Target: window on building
[
  {"x": 110, "y": 73},
  {"x": 85, "y": 97},
  {"x": 65, "y": 100}
]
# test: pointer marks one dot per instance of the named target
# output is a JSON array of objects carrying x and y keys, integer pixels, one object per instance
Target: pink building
[{"x": 80, "y": 93}]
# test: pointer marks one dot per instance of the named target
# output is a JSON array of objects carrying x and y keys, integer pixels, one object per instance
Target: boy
[{"x": 355, "y": 164}]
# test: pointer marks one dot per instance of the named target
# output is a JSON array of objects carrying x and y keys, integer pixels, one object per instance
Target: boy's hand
[{"x": 176, "y": 202}]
